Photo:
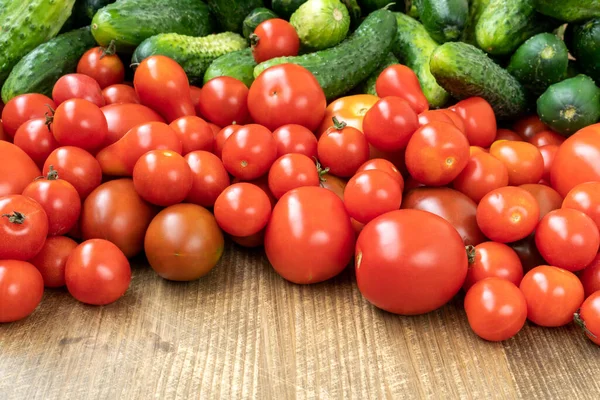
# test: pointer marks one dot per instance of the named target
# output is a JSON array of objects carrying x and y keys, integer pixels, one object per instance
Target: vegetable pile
[{"x": 443, "y": 147}]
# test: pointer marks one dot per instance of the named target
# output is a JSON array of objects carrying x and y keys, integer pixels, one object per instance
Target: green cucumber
[
  {"x": 569, "y": 10},
  {"x": 321, "y": 23},
  {"x": 194, "y": 54},
  {"x": 239, "y": 65},
  {"x": 255, "y": 18},
  {"x": 570, "y": 105},
  {"x": 355, "y": 12},
  {"x": 371, "y": 5},
  {"x": 83, "y": 12},
  {"x": 413, "y": 48},
  {"x": 368, "y": 85},
  {"x": 231, "y": 13},
  {"x": 285, "y": 8},
  {"x": 131, "y": 22},
  {"x": 340, "y": 68},
  {"x": 584, "y": 42},
  {"x": 476, "y": 8},
  {"x": 445, "y": 20},
  {"x": 466, "y": 71}
]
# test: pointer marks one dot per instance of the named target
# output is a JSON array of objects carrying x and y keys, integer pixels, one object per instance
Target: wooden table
[{"x": 243, "y": 332}]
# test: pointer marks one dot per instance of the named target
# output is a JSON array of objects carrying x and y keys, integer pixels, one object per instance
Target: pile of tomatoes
[{"x": 424, "y": 203}]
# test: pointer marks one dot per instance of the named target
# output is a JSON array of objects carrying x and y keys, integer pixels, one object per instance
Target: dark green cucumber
[
  {"x": 413, "y": 48},
  {"x": 285, "y": 8},
  {"x": 539, "y": 62},
  {"x": 476, "y": 8},
  {"x": 255, "y": 18},
  {"x": 130, "y": 22},
  {"x": 445, "y": 20},
  {"x": 83, "y": 12},
  {"x": 230, "y": 14},
  {"x": 239, "y": 65},
  {"x": 584, "y": 42},
  {"x": 569, "y": 10},
  {"x": 344, "y": 66},
  {"x": 371, "y": 5},
  {"x": 466, "y": 71},
  {"x": 570, "y": 105},
  {"x": 355, "y": 12},
  {"x": 368, "y": 85}
]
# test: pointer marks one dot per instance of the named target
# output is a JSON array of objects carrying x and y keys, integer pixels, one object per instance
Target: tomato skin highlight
[
  {"x": 23, "y": 227},
  {"x": 21, "y": 290}
]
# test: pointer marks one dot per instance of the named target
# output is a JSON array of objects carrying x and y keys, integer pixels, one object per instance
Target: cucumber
[
  {"x": 130, "y": 22},
  {"x": 413, "y": 48},
  {"x": 83, "y": 12},
  {"x": 321, "y": 23},
  {"x": 344, "y": 66},
  {"x": 466, "y": 71},
  {"x": 445, "y": 20},
  {"x": 476, "y": 8},
  {"x": 368, "y": 85},
  {"x": 372, "y": 5},
  {"x": 570, "y": 105},
  {"x": 285, "y": 8},
  {"x": 254, "y": 19},
  {"x": 231, "y": 13},
  {"x": 569, "y": 10},
  {"x": 584, "y": 42},
  {"x": 539, "y": 62},
  {"x": 194, "y": 54},
  {"x": 25, "y": 24},
  {"x": 354, "y": 11},
  {"x": 505, "y": 24},
  {"x": 239, "y": 65}
]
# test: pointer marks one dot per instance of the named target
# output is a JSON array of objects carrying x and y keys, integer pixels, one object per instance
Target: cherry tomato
[
  {"x": 437, "y": 153},
  {"x": 263, "y": 183},
  {"x": 52, "y": 259},
  {"x": 194, "y": 133},
  {"x": 123, "y": 117},
  {"x": 183, "y": 242},
  {"x": 335, "y": 184},
  {"x": 399, "y": 80},
  {"x": 162, "y": 177},
  {"x": 508, "y": 214},
  {"x": 479, "y": 119},
  {"x": 390, "y": 123},
  {"x": 523, "y": 160},
  {"x": 548, "y": 153},
  {"x": 243, "y": 209},
  {"x": 209, "y": 178},
  {"x": 79, "y": 123},
  {"x": 552, "y": 294},
  {"x": 588, "y": 317},
  {"x": 77, "y": 86},
  {"x": 120, "y": 94},
  {"x": 386, "y": 166},
  {"x": 22, "y": 108},
  {"x": 544, "y": 138},
  {"x": 274, "y": 38},
  {"x": 252, "y": 241},
  {"x": 482, "y": 174},
  {"x": 585, "y": 197},
  {"x": 103, "y": 65},
  {"x": 343, "y": 149},
  {"x": 292, "y": 171},
  {"x": 224, "y": 101},
  {"x": 527, "y": 127},
  {"x": 590, "y": 277},
  {"x": 222, "y": 136},
  {"x": 492, "y": 259},
  {"x": 293, "y": 138},
  {"x": 548, "y": 199},
  {"x": 249, "y": 152},
  {"x": 23, "y": 227},
  {"x": 456, "y": 119},
  {"x": 507, "y": 134},
  {"x": 350, "y": 109},
  {"x": 434, "y": 115},
  {"x": 21, "y": 290},
  {"x": 17, "y": 169},
  {"x": 76, "y": 166},
  {"x": 370, "y": 194},
  {"x": 35, "y": 139},
  {"x": 215, "y": 128},
  {"x": 496, "y": 309},
  {"x": 286, "y": 94},
  {"x": 309, "y": 238},
  {"x": 418, "y": 271},
  {"x": 528, "y": 253}
]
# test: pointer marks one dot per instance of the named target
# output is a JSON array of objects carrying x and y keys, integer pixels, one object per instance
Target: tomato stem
[
  {"x": 581, "y": 323},
  {"x": 49, "y": 117},
  {"x": 52, "y": 174},
  {"x": 321, "y": 171},
  {"x": 337, "y": 124},
  {"x": 15, "y": 218},
  {"x": 471, "y": 253},
  {"x": 109, "y": 50},
  {"x": 254, "y": 39}
]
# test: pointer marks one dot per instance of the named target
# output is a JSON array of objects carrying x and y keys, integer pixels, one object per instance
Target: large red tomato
[
  {"x": 76, "y": 166},
  {"x": 194, "y": 133},
  {"x": 249, "y": 152},
  {"x": 21, "y": 290},
  {"x": 224, "y": 101},
  {"x": 23, "y": 108},
  {"x": 399, "y": 80},
  {"x": 122, "y": 117},
  {"x": 23, "y": 227},
  {"x": 479, "y": 119},
  {"x": 523, "y": 160},
  {"x": 343, "y": 149},
  {"x": 77, "y": 86},
  {"x": 272, "y": 38},
  {"x": 243, "y": 209},
  {"x": 294, "y": 138},
  {"x": 390, "y": 123},
  {"x": 79, "y": 123},
  {"x": 350, "y": 109},
  {"x": 292, "y": 171},
  {"x": 162, "y": 177},
  {"x": 17, "y": 169}
]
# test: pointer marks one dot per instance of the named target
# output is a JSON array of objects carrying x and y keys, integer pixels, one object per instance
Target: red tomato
[
  {"x": 335, "y": 184},
  {"x": 21, "y": 290},
  {"x": 52, "y": 259},
  {"x": 588, "y": 317},
  {"x": 548, "y": 199},
  {"x": 370, "y": 194},
  {"x": 243, "y": 209},
  {"x": 523, "y": 160},
  {"x": 548, "y": 153},
  {"x": 492, "y": 259},
  {"x": 585, "y": 197},
  {"x": 224, "y": 101},
  {"x": 22, "y": 108},
  {"x": 482, "y": 174},
  {"x": 399, "y": 80},
  {"x": 350, "y": 109},
  {"x": 79, "y": 123},
  {"x": 249, "y": 152},
  {"x": 263, "y": 183},
  {"x": 97, "y": 272},
  {"x": 590, "y": 277},
  {"x": 496, "y": 309},
  {"x": 528, "y": 253},
  {"x": 16, "y": 169},
  {"x": 508, "y": 214},
  {"x": 479, "y": 119},
  {"x": 507, "y": 134},
  {"x": 390, "y": 123},
  {"x": 209, "y": 178},
  {"x": 527, "y": 127},
  {"x": 386, "y": 166},
  {"x": 552, "y": 294},
  {"x": 120, "y": 94},
  {"x": 309, "y": 238},
  {"x": 456, "y": 119},
  {"x": 35, "y": 139},
  {"x": 162, "y": 177},
  {"x": 76, "y": 166},
  {"x": 194, "y": 133},
  {"x": 418, "y": 271},
  {"x": 252, "y": 241},
  {"x": 434, "y": 115},
  {"x": 103, "y": 65},
  {"x": 274, "y": 38},
  {"x": 123, "y": 117},
  {"x": 222, "y": 136},
  {"x": 23, "y": 227},
  {"x": 544, "y": 138},
  {"x": 292, "y": 171},
  {"x": 343, "y": 149},
  {"x": 437, "y": 153},
  {"x": 286, "y": 94},
  {"x": 215, "y": 128},
  {"x": 293, "y": 138},
  {"x": 161, "y": 84},
  {"x": 77, "y": 86}
]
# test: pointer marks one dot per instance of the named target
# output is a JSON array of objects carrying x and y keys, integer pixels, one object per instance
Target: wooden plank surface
[{"x": 243, "y": 332}]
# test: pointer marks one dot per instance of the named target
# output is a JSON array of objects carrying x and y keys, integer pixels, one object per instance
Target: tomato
[
  {"x": 274, "y": 38},
  {"x": 397, "y": 158},
  {"x": 418, "y": 271},
  {"x": 350, "y": 109},
  {"x": 215, "y": 128},
  {"x": 370, "y": 194},
  {"x": 492, "y": 259},
  {"x": 528, "y": 253},
  {"x": 496, "y": 309},
  {"x": 437, "y": 153},
  {"x": 548, "y": 153},
  {"x": 476, "y": 149},
  {"x": 390, "y": 123},
  {"x": 115, "y": 212},
  {"x": 79, "y": 123},
  {"x": 293, "y": 138},
  {"x": 123, "y": 117},
  {"x": 161, "y": 84},
  {"x": 286, "y": 94},
  {"x": 590, "y": 277},
  {"x": 21, "y": 290},
  {"x": 588, "y": 317},
  {"x": 482, "y": 174},
  {"x": 399, "y": 80},
  {"x": 386, "y": 166},
  {"x": 523, "y": 160},
  {"x": 508, "y": 214},
  {"x": 52, "y": 259},
  {"x": 252, "y": 241},
  {"x": 97, "y": 272},
  {"x": 479, "y": 119},
  {"x": 548, "y": 199},
  {"x": 292, "y": 171},
  {"x": 17, "y": 169},
  {"x": 527, "y": 127},
  {"x": 507, "y": 134},
  {"x": 195, "y": 95},
  {"x": 162, "y": 177},
  {"x": 335, "y": 184},
  {"x": 309, "y": 238},
  {"x": 224, "y": 101},
  {"x": 263, "y": 183},
  {"x": 22, "y": 108},
  {"x": 552, "y": 294},
  {"x": 209, "y": 178},
  {"x": 544, "y": 138},
  {"x": 120, "y": 94},
  {"x": 434, "y": 115},
  {"x": 23, "y": 227},
  {"x": 222, "y": 136},
  {"x": 35, "y": 139},
  {"x": 243, "y": 209},
  {"x": 77, "y": 86},
  {"x": 567, "y": 239},
  {"x": 183, "y": 242},
  {"x": 585, "y": 197},
  {"x": 343, "y": 149},
  {"x": 249, "y": 152},
  {"x": 103, "y": 65},
  {"x": 194, "y": 133},
  {"x": 76, "y": 166}
]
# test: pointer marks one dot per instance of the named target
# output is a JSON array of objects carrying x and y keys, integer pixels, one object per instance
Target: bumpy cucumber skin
[
  {"x": 584, "y": 42},
  {"x": 238, "y": 64},
  {"x": 569, "y": 10},
  {"x": 413, "y": 48},
  {"x": 466, "y": 71},
  {"x": 194, "y": 54},
  {"x": 344, "y": 66},
  {"x": 231, "y": 13},
  {"x": 130, "y": 22},
  {"x": 285, "y": 8},
  {"x": 445, "y": 20},
  {"x": 255, "y": 18},
  {"x": 368, "y": 85},
  {"x": 476, "y": 8},
  {"x": 321, "y": 24},
  {"x": 25, "y": 24}
]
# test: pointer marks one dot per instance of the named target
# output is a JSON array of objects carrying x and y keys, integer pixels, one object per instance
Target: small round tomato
[
  {"x": 434, "y": 115},
  {"x": 79, "y": 123},
  {"x": 588, "y": 317},
  {"x": 243, "y": 209},
  {"x": 120, "y": 94},
  {"x": 585, "y": 197},
  {"x": 336, "y": 184},
  {"x": 508, "y": 214},
  {"x": 552, "y": 294},
  {"x": 390, "y": 123},
  {"x": 292, "y": 171},
  {"x": 194, "y": 133},
  {"x": 22, "y": 108},
  {"x": 17, "y": 169},
  {"x": 263, "y": 183},
  {"x": 456, "y": 119},
  {"x": 222, "y": 136},
  {"x": 343, "y": 149},
  {"x": 250, "y": 242},
  {"x": 479, "y": 119},
  {"x": 548, "y": 199},
  {"x": 399, "y": 80},
  {"x": 209, "y": 178},
  {"x": 77, "y": 86},
  {"x": 544, "y": 138},
  {"x": 528, "y": 253},
  {"x": 76, "y": 166},
  {"x": 21, "y": 290},
  {"x": 249, "y": 152},
  {"x": 224, "y": 101},
  {"x": 52, "y": 259},
  {"x": 567, "y": 239},
  {"x": 370, "y": 194},
  {"x": 590, "y": 277},
  {"x": 507, "y": 134},
  {"x": 350, "y": 109},
  {"x": 523, "y": 160},
  {"x": 437, "y": 153},
  {"x": 548, "y": 153},
  {"x": 492, "y": 259},
  {"x": 103, "y": 65},
  {"x": 381, "y": 164},
  {"x": 482, "y": 174},
  {"x": 215, "y": 128},
  {"x": 293, "y": 138},
  {"x": 123, "y": 117},
  {"x": 35, "y": 139},
  {"x": 527, "y": 127},
  {"x": 274, "y": 38},
  {"x": 23, "y": 227}
]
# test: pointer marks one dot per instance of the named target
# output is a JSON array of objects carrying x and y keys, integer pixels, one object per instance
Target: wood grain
[{"x": 243, "y": 332}]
